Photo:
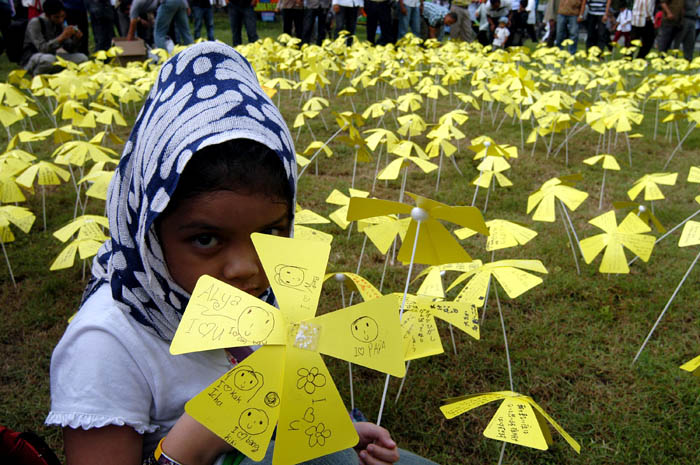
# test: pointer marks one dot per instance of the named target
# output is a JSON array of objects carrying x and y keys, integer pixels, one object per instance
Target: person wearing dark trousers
[
  {"x": 292, "y": 17},
  {"x": 597, "y": 33},
  {"x": 76, "y": 14},
  {"x": 678, "y": 26},
  {"x": 203, "y": 13},
  {"x": 315, "y": 12},
  {"x": 642, "y": 24},
  {"x": 6, "y": 13},
  {"x": 103, "y": 19},
  {"x": 378, "y": 12},
  {"x": 242, "y": 13},
  {"x": 346, "y": 12}
]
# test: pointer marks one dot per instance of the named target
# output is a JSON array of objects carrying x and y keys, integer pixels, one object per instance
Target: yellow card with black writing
[{"x": 219, "y": 315}]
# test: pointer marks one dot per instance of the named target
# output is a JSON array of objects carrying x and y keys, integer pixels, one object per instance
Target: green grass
[{"x": 572, "y": 339}]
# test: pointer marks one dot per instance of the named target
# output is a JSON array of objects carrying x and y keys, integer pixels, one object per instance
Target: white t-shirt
[
  {"x": 624, "y": 21},
  {"x": 500, "y": 36},
  {"x": 108, "y": 369}
]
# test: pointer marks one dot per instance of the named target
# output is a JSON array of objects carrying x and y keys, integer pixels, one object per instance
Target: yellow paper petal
[
  {"x": 310, "y": 234},
  {"x": 432, "y": 284},
  {"x": 461, "y": 405},
  {"x": 515, "y": 422},
  {"x": 692, "y": 366},
  {"x": 366, "y": 334},
  {"x": 420, "y": 334},
  {"x": 313, "y": 420},
  {"x": 66, "y": 258},
  {"x": 295, "y": 268},
  {"x": 462, "y": 315},
  {"x": 690, "y": 234},
  {"x": 242, "y": 406},
  {"x": 514, "y": 281},
  {"x": 219, "y": 315}
]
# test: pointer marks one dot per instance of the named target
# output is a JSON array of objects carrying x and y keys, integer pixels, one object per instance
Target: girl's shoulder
[{"x": 108, "y": 369}]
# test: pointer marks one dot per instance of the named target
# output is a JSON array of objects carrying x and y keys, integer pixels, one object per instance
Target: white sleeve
[{"x": 95, "y": 382}]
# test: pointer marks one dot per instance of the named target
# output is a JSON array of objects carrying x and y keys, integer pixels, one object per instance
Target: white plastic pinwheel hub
[
  {"x": 419, "y": 214},
  {"x": 339, "y": 277}
]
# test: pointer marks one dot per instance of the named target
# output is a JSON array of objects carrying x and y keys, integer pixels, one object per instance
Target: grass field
[{"x": 572, "y": 338}]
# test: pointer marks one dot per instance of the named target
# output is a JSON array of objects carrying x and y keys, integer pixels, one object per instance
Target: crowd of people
[{"x": 51, "y": 28}]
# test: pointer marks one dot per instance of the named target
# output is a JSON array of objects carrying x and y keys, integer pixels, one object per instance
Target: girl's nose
[{"x": 240, "y": 265}]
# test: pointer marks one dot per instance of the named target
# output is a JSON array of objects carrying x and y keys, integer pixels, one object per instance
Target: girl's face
[{"x": 210, "y": 234}]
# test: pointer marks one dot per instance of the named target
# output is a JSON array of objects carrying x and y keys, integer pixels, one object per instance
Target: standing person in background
[
  {"x": 489, "y": 14},
  {"x": 461, "y": 29},
  {"x": 623, "y": 25},
  {"x": 103, "y": 19},
  {"x": 597, "y": 33},
  {"x": 501, "y": 34},
  {"x": 242, "y": 13},
  {"x": 76, "y": 14},
  {"x": 7, "y": 11},
  {"x": 292, "y": 16},
  {"x": 315, "y": 12},
  {"x": 531, "y": 19},
  {"x": 346, "y": 12},
  {"x": 678, "y": 26},
  {"x": 142, "y": 17},
  {"x": 550, "y": 18},
  {"x": 642, "y": 24},
  {"x": 569, "y": 16},
  {"x": 518, "y": 25},
  {"x": 173, "y": 12},
  {"x": 203, "y": 12},
  {"x": 409, "y": 17},
  {"x": 378, "y": 12}
]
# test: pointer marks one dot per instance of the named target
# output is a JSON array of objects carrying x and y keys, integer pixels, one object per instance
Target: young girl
[
  {"x": 623, "y": 25},
  {"x": 500, "y": 35},
  {"x": 209, "y": 161}
]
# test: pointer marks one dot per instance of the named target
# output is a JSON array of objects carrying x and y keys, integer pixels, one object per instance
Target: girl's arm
[
  {"x": 187, "y": 442},
  {"x": 109, "y": 445}
]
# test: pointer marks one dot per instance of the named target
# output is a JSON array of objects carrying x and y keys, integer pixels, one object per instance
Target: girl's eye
[{"x": 205, "y": 241}]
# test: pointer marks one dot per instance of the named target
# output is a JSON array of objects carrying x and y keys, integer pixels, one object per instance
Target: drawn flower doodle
[
  {"x": 317, "y": 434},
  {"x": 309, "y": 380}
]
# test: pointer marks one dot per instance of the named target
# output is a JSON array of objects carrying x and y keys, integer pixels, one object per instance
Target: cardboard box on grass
[{"x": 133, "y": 50}]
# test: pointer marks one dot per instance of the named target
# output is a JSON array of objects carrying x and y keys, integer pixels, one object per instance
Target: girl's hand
[{"x": 376, "y": 446}]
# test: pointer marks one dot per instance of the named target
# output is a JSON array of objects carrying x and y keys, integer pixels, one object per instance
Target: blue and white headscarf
[{"x": 203, "y": 96}]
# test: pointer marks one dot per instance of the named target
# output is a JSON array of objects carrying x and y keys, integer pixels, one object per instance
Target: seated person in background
[
  {"x": 501, "y": 34},
  {"x": 437, "y": 16},
  {"x": 47, "y": 37}
]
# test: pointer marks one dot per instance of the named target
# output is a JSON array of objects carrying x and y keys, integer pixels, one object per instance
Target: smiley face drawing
[
  {"x": 255, "y": 324},
  {"x": 253, "y": 421},
  {"x": 364, "y": 329},
  {"x": 247, "y": 379},
  {"x": 290, "y": 276}
]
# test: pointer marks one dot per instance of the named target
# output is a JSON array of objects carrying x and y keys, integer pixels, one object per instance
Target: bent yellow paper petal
[
  {"x": 313, "y": 420},
  {"x": 459, "y": 405},
  {"x": 692, "y": 366},
  {"x": 515, "y": 422}
]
